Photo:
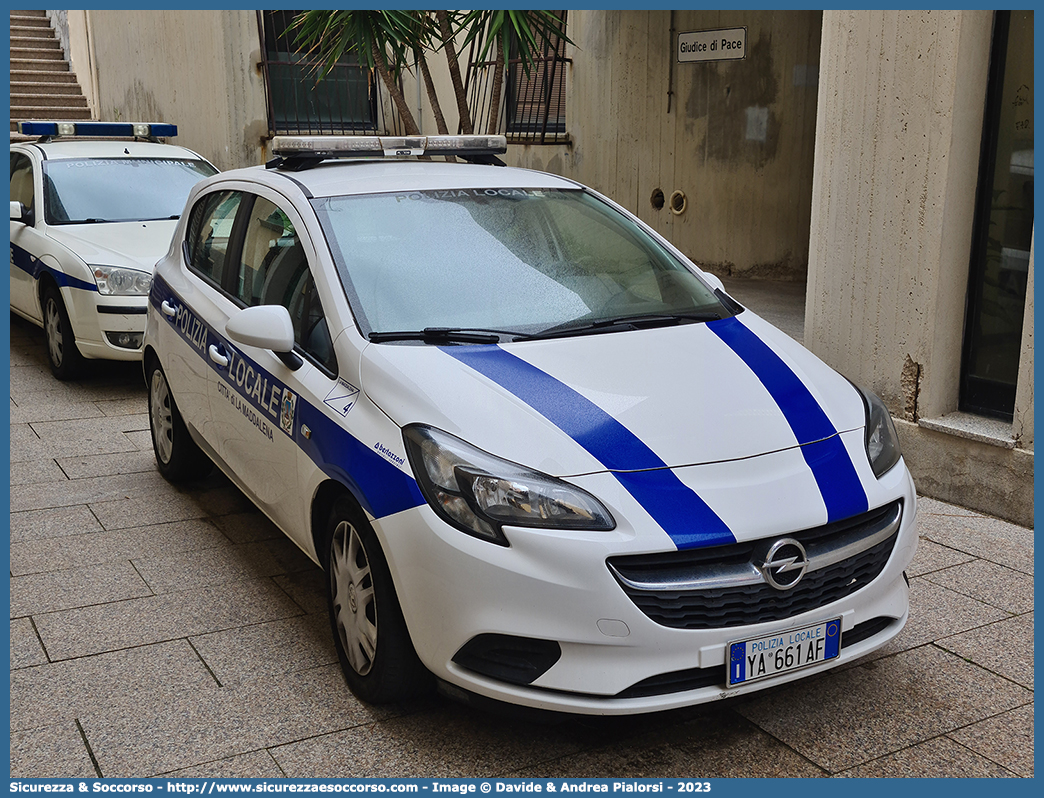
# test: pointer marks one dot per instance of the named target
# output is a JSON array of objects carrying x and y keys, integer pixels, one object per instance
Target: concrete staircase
[{"x": 42, "y": 85}]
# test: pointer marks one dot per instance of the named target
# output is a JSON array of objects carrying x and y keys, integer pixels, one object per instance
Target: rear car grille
[{"x": 721, "y": 586}]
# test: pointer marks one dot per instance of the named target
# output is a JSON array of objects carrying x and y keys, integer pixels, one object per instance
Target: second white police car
[
  {"x": 539, "y": 454},
  {"x": 93, "y": 207}
]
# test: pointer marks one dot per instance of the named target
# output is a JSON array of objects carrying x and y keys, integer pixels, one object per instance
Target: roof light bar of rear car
[
  {"x": 301, "y": 152},
  {"x": 141, "y": 130}
]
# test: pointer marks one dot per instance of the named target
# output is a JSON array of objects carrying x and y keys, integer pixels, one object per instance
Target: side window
[
  {"x": 22, "y": 180},
  {"x": 209, "y": 233},
  {"x": 274, "y": 271}
]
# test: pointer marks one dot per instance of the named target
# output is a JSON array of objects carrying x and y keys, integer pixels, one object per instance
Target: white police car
[
  {"x": 540, "y": 455},
  {"x": 90, "y": 216}
]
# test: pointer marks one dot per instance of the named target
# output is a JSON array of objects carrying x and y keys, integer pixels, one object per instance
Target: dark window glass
[
  {"x": 22, "y": 180},
  {"x": 533, "y": 102},
  {"x": 209, "y": 234},
  {"x": 536, "y": 101},
  {"x": 274, "y": 271},
  {"x": 1004, "y": 225},
  {"x": 342, "y": 102}
]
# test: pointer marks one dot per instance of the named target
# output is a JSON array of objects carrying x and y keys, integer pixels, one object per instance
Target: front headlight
[
  {"x": 882, "y": 444},
  {"x": 479, "y": 493},
  {"x": 113, "y": 281}
]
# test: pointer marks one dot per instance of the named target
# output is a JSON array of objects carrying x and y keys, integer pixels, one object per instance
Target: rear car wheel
[
  {"x": 373, "y": 643},
  {"x": 178, "y": 457},
  {"x": 63, "y": 356}
]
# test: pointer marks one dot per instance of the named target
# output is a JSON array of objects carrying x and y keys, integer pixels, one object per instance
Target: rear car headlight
[
  {"x": 114, "y": 281},
  {"x": 479, "y": 493},
  {"x": 882, "y": 444}
]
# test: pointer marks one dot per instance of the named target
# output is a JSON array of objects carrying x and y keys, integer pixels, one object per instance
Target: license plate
[{"x": 750, "y": 660}]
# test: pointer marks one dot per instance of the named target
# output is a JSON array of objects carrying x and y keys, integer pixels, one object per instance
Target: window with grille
[
  {"x": 534, "y": 107},
  {"x": 343, "y": 102}
]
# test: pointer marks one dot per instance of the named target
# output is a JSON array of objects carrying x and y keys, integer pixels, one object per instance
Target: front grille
[{"x": 720, "y": 586}]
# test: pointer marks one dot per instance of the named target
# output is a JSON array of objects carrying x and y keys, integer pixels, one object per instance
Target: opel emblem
[{"x": 784, "y": 564}]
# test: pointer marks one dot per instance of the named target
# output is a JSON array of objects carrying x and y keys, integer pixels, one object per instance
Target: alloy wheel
[{"x": 354, "y": 605}]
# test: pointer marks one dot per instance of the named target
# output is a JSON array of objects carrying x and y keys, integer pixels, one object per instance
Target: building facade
[{"x": 884, "y": 157}]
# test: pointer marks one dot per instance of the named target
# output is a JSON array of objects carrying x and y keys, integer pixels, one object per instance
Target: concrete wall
[
  {"x": 898, "y": 137},
  {"x": 639, "y": 121},
  {"x": 197, "y": 69}
]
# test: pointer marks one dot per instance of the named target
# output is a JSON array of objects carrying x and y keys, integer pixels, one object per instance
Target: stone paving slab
[
  {"x": 36, "y": 594},
  {"x": 717, "y": 743},
  {"x": 937, "y": 612},
  {"x": 68, "y": 690},
  {"x": 193, "y": 726},
  {"x": 26, "y": 649},
  {"x": 267, "y": 649},
  {"x": 254, "y": 765},
  {"x": 443, "y": 742},
  {"x": 929, "y": 759},
  {"x": 49, "y": 750},
  {"x": 1005, "y": 648},
  {"x": 882, "y": 707},
  {"x": 1011, "y": 591},
  {"x": 1006, "y": 738},
  {"x": 107, "y": 465},
  {"x": 109, "y": 627},
  {"x": 54, "y": 523},
  {"x": 188, "y": 570},
  {"x": 38, "y": 556},
  {"x": 33, "y": 471}
]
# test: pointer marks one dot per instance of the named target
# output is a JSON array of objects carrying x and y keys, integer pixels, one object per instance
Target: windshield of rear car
[
  {"x": 81, "y": 190},
  {"x": 515, "y": 259}
]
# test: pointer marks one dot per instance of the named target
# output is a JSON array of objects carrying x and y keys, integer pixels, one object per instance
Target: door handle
[
  {"x": 168, "y": 309},
  {"x": 217, "y": 357}
]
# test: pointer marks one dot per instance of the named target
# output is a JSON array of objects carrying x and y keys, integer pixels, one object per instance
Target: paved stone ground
[{"x": 157, "y": 630}]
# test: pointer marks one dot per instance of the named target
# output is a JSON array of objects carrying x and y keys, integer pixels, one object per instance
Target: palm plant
[
  {"x": 496, "y": 30},
  {"x": 379, "y": 39},
  {"x": 386, "y": 40}
]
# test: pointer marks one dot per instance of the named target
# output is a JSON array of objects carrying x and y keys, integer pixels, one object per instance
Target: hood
[
  {"x": 138, "y": 245},
  {"x": 624, "y": 401}
]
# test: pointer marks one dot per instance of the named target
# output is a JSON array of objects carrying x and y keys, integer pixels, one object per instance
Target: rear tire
[
  {"x": 178, "y": 457},
  {"x": 373, "y": 644},
  {"x": 64, "y": 358}
]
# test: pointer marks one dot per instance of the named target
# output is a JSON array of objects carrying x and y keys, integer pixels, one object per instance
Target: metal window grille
[
  {"x": 533, "y": 109},
  {"x": 347, "y": 101}
]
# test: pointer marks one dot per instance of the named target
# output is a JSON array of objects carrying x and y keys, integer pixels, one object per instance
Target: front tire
[
  {"x": 178, "y": 457},
  {"x": 64, "y": 358},
  {"x": 370, "y": 634}
]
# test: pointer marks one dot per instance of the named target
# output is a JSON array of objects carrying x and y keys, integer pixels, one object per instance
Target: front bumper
[
  {"x": 615, "y": 659},
  {"x": 97, "y": 320}
]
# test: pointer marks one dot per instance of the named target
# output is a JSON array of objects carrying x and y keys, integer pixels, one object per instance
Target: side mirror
[
  {"x": 20, "y": 213},
  {"x": 266, "y": 327}
]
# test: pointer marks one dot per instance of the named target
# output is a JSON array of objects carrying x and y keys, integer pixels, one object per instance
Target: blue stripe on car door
[{"x": 682, "y": 514}]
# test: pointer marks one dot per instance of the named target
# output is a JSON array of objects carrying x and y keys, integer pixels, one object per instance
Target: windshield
[
  {"x": 511, "y": 259},
  {"x": 79, "y": 190}
]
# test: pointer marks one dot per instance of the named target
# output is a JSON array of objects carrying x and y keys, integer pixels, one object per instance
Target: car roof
[
  {"x": 364, "y": 176},
  {"x": 108, "y": 148}
]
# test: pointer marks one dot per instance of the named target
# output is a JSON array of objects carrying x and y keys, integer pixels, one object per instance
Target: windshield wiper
[
  {"x": 637, "y": 322},
  {"x": 442, "y": 335}
]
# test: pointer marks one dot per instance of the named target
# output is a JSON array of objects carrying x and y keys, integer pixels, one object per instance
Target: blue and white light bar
[
  {"x": 386, "y": 146},
  {"x": 107, "y": 129}
]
